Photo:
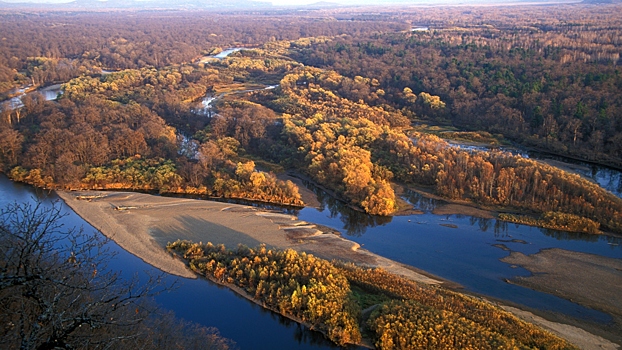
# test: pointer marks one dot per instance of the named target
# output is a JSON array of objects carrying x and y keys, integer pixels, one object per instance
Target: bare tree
[{"x": 55, "y": 288}]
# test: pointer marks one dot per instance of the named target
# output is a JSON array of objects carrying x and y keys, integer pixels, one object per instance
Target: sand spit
[
  {"x": 586, "y": 279},
  {"x": 452, "y": 208},
  {"x": 115, "y": 221},
  {"x": 143, "y": 224},
  {"x": 577, "y": 336},
  {"x": 590, "y": 280}
]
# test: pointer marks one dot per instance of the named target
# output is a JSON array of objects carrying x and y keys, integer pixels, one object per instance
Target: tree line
[
  {"x": 357, "y": 149},
  {"x": 120, "y": 131},
  {"x": 331, "y": 296},
  {"x": 40, "y": 48},
  {"x": 546, "y": 78}
]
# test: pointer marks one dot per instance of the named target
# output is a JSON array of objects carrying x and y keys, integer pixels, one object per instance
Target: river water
[
  {"x": 455, "y": 247},
  {"x": 467, "y": 250},
  {"x": 464, "y": 249},
  {"x": 50, "y": 93},
  {"x": 198, "y": 300}
]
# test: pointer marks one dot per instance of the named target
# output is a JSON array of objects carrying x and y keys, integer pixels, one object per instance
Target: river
[
  {"x": 198, "y": 300},
  {"x": 464, "y": 249},
  {"x": 50, "y": 93},
  {"x": 465, "y": 253}
]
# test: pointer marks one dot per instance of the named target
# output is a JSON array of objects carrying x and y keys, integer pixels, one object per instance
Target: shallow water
[{"x": 461, "y": 249}]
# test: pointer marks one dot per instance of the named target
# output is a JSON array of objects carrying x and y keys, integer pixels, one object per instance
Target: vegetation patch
[
  {"x": 331, "y": 296},
  {"x": 472, "y": 136},
  {"x": 556, "y": 221}
]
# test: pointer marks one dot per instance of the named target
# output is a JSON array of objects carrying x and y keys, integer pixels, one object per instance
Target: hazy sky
[{"x": 274, "y": 2}]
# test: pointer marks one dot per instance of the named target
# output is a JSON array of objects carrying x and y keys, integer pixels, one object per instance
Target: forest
[
  {"x": 331, "y": 297},
  {"x": 543, "y": 77},
  {"x": 337, "y": 103}
]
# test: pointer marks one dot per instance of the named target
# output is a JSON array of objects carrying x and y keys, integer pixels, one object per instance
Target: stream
[{"x": 50, "y": 93}]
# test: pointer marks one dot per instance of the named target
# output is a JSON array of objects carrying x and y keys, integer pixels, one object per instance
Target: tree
[
  {"x": 10, "y": 147},
  {"x": 55, "y": 288}
]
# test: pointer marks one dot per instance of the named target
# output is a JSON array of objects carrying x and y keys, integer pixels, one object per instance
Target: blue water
[
  {"x": 198, "y": 300},
  {"x": 465, "y": 254}
]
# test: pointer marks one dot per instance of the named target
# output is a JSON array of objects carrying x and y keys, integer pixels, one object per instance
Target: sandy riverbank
[
  {"x": 147, "y": 223},
  {"x": 586, "y": 279},
  {"x": 143, "y": 224}
]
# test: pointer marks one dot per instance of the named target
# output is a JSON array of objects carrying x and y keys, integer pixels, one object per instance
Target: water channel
[
  {"x": 464, "y": 249},
  {"x": 50, "y": 93}
]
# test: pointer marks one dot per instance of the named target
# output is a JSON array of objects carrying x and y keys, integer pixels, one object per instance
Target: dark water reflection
[
  {"x": 198, "y": 300},
  {"x": 354, "y": 222},
  {"x": 420, "y": 202}
]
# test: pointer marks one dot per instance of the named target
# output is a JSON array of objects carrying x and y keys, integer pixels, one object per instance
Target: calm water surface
[
  {"x": 250, "y": 326},
  {"x": 464, "y": 253}
]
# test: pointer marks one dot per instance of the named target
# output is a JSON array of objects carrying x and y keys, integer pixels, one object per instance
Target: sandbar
[
  {"x": 590, "y": 280},
  {"x": 143, "y": 224},
  {"x": 587, "y": 279}
]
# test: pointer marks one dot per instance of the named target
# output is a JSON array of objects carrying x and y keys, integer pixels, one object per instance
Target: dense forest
[
  {"x": 115, "y": 132},
  {"x": 336, "y": 97},
  {"x": 331, "y": 298},
  {"x": 46, "y": 47},
  {"x": 145, "y": 128},
  {"x": 358, "y": 149},
  {"x": 545, "y": 77}
]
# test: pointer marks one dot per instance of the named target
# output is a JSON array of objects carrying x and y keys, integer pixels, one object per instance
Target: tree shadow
[{"x": 199, "y": 230}]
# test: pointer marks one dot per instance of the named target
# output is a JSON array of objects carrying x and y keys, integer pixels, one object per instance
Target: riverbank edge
[
  {"x": 463, "y": 207},
  {"x": 173, "y": 267},
  {"x": 564, "y": 330},
  {"x": 366, "y": 343},
  {"x": 526, "y": 146}
]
